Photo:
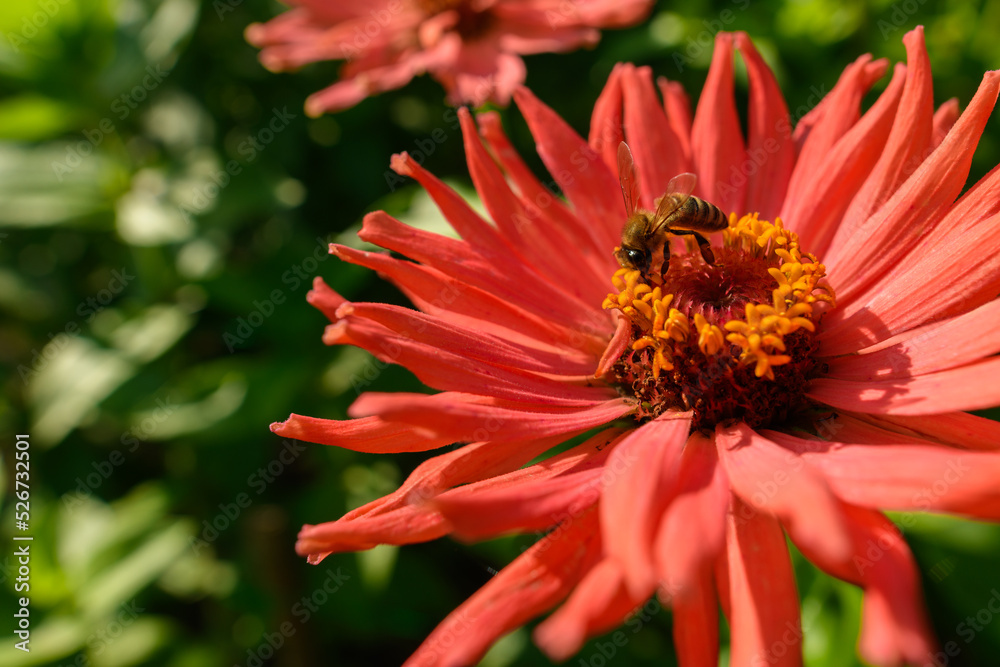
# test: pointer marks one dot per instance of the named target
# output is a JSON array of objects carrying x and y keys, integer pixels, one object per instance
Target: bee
[{"x": 677, "y": 212}]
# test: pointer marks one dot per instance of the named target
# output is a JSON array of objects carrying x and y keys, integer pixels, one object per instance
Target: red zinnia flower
[
  {"x": 732, "y": 403},
  {"x": 471, "y": 46}
]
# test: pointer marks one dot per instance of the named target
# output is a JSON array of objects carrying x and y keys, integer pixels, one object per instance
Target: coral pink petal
[
  {"x": 466, "y": 342},
  {"x": 599, "y": 603},
  {"x": 896, "y": 228},
  {"x": 540, "y": 505},
  {"x": 907, "y": 146},
  {"x": 971, "y": 387},
  {"x": 531, "y": 585},
  {"x": 820, "y": 128},
  {"x": 894, "y": 628},
  {"x": 404, "y": 516},
  {"x": 606, "y": 124},
  {"x": 532, "y": 40},
  {"x": 619, "y": 343},
  {"x": 720, "y": 569},
  {"x": 554, "y": 255},
  {"x": 454, "y": 301},
  {"x": 925, "y": 477},
  {"x": 649, "y": 135},
  {"x": 955, "y": 429},
  {"x": 696, "y": 623},
  {"x": 698, "y": 509},
  {"x": 955, "y": 342},
  {"x": 297, "y": 38},
  {"x": 540, "y": 199},
  {"x": 481, "y": 72},
  {"x": 481, "y": 235},
  {"x": 716, "y": 139},
  {"x": 639, "y": 482},
  {"x": 348, "y": 92},
  {"x": 406, "y": 525},
  {"x": 764, "y": 610},
  {"x": 464, "y": 417},
  {"x": 325, "y": 299},
  {"x": 458, "y": 260},
  {"x": 345, "y": 9},
  {"x": 450, "y": 371},
  {"x": 591, "y": 187},
  {"x": 608, "y": 13},
  {"x": 678, "y": 107},
  {"x": 960, "y": 281},
  {"x": 770, "y": 149},
  {"x": 534, "y": 498},
  {"x": 944, "y": 118},
  {"x": 371, "y": 434},
  {"x": 767, "y": 479},
  {"x": 979, "y": 202},
  {"x": 842, "y": 171}
]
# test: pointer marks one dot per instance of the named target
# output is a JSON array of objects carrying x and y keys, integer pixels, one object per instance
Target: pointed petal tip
[
  {"x": 916, "y": 34},
  {"x": 254, "y": 34},
  {"x": 335, "y": 334},
  {"x": 401, "y": 163}
]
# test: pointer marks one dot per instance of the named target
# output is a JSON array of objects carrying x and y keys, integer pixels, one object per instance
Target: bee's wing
[
  {"x": 681, "y": 185},
  {"x": 627, "y": 177}
]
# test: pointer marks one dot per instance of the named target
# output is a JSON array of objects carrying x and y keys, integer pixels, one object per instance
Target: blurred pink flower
[
  {"x": 472, "y": 47},
  {"x": 734, "y": 403}
]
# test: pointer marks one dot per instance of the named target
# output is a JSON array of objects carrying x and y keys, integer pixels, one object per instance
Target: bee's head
[{"x": 634, "y": 258}]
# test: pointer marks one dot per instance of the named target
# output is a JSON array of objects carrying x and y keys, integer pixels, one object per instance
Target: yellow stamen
[
  {"x": 760, "y": 335},
  {"x": 710, "y": 337}
]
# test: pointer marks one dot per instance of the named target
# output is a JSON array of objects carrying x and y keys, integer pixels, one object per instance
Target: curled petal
[{"x": 895, "y": 629}]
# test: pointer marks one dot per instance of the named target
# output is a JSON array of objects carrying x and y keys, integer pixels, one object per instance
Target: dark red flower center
[{"x": 733, "y": 340}]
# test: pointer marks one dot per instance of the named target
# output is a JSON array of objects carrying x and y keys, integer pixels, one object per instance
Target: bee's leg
[
  {"x": 706, "y": 249},
  {"x": 703, "y": 245}
]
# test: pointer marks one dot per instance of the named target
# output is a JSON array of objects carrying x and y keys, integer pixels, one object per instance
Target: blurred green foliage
[{"x": 153, "y": 268}]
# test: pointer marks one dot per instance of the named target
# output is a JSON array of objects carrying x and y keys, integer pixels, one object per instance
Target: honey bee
[{"x": 677, "y": 212}]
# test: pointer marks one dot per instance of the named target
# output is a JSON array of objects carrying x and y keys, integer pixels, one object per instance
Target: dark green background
[{"x": 119, "y": 576}]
